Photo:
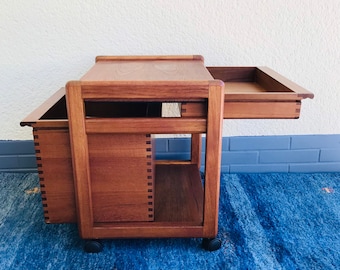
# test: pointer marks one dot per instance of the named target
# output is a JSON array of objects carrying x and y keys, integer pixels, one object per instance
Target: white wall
[{"x": 43, "y": 44}]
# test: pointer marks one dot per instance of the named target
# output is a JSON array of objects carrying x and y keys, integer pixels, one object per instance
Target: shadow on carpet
[{"x": 267, "y": 221}]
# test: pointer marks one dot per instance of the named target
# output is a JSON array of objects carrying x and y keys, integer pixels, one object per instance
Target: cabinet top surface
[{"x": 149, "y": 70}]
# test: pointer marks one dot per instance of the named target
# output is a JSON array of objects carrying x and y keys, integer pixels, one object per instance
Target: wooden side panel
[
  {"x": 121, "y": 171},
  {"x": 56, "y": 176}
]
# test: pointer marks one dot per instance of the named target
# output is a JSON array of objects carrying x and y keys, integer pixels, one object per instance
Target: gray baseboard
[{"x": 253, "y": 154}]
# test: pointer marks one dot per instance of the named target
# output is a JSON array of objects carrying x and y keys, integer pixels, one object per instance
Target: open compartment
[
  {"x": 172, "y": 186},
  {"x": 105, "y": 109},
  {"x": 120, "y": 160}
]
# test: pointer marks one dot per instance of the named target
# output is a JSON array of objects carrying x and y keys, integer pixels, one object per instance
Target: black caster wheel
[
  {"x": 93, "y": 246},
  {"x": 211, "y": 244}
]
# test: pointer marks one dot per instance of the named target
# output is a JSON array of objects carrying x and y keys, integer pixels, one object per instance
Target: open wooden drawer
[{"x": 253, "y": 93}]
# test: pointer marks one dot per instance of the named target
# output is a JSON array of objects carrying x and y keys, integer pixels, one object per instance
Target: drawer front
[{"x": 248, "y": 110}]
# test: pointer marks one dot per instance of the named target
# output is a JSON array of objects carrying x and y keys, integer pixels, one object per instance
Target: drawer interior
[
  {"x": 107, "y": 109},
  {"x": 247, "y": 80}
]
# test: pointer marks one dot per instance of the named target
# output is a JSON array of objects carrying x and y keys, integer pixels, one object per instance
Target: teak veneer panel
[
  {"x": 122, "y": 177},
  {"x": 54, "y": 160},
  {"x": 151, "y": 69}
]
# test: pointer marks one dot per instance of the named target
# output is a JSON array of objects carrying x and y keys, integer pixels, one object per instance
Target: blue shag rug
[{"x": 267, "y": 221}]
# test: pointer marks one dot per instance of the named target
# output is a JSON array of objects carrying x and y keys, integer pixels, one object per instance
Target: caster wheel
[
  {"x": 93, "y": 246},
  {"x": 211, "y": 244}
]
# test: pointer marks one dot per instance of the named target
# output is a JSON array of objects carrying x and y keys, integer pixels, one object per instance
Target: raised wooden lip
[
  {"x": 102, "y": 58},
  {"x": 302, "y": 92}
]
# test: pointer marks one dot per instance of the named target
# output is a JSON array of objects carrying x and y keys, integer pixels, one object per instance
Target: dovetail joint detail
[
  {"x": 41, "y": 174},
  {"x": 150, "y": 177}
]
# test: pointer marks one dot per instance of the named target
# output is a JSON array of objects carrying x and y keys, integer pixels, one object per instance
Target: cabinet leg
[{"x": 196, "y": 149}]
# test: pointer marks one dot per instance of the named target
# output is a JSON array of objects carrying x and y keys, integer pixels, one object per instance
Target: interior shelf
[{"x": 178, "y": 194}]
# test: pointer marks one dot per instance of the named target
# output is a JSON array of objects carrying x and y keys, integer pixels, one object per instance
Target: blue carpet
[{"x": 267, "y": 221}]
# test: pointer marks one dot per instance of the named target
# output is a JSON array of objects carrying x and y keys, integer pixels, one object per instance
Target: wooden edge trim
[
  {"x": 103, "y": 58},
  {"x": 300, "y": 91},
  {"x": 261, "y": 97},
  {"x": 146, "y": 125},
  {"x": 166, "y": 91},
  {"x": 34, "y": 116}
]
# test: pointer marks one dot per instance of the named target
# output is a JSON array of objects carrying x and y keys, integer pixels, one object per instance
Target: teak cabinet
[{"x": 95, "y": 151}]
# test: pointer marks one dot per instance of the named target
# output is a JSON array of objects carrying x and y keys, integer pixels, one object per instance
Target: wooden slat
[
  {"x": 119, "y": 206},
  {"x": 54, "y": 151},
  {"x": 58, "y": 175},
  {"x": 52, "y": 136},
  {"x": 172, "y": 162},
  {"x": 146, "y": 125},
  {"x": 117, "y": 174},
  {"x": 196, "y": 149},
  {"x": 261, "y": 96},
  {"x": 213, "y": 160},
  {"x": 80, "y": 160},
  {"x": 118, "y": 145},
  {"x": 145, "y": 230},
  {"x": 50, "y": 124}
]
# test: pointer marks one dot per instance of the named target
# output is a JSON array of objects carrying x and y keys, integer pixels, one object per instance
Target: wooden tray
[{"x": 254, "y": 93}]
